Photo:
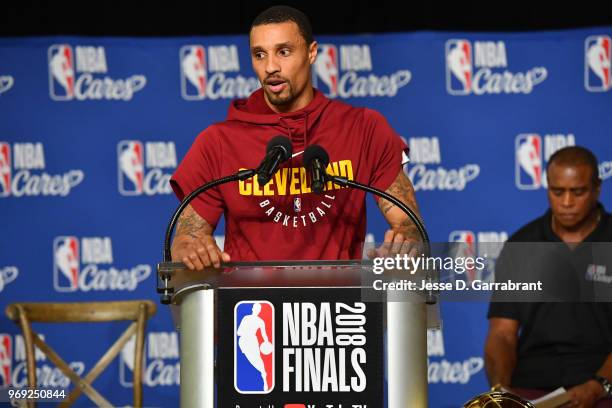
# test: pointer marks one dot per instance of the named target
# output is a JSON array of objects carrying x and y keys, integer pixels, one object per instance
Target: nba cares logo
[
  {"x": 326, "y": 68},
  {"x": 458, "y": 67},
  {"x": 347, "y": 71},
  {"x": 66, "y": 263},
  {"x": 597, "y": 76},
  {"x": 528, "y": 163},
  {"x": 61, "y": 72},
  {"x": 254, "y": 347},
  {"x": 193, "y": 72},
  {"x": 130, "y": 154},
  {"x": 6, "y": 347}
]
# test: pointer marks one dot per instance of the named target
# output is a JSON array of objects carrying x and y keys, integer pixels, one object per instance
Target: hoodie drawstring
[
  {"x": 283, "y": 122},
  {"x": 305, "y": 130}
]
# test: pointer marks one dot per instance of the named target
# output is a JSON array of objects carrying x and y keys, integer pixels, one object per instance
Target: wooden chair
[{"x": 137, "y": 311}]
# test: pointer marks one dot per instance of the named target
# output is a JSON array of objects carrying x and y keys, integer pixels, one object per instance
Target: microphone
[
  {"x": 278, "y": 151},
  {"x": 316, "y": 160}
]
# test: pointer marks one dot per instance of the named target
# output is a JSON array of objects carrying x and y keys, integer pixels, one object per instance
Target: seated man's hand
[
  {"x": 585, "y": 395},
  {"x": 199, "y": 253}
]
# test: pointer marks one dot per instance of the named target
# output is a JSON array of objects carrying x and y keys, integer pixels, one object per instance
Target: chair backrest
[{"x": 137, "y": 311}]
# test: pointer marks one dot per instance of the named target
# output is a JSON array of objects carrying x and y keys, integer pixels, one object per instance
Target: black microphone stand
[{"x": 167, "y": 267}]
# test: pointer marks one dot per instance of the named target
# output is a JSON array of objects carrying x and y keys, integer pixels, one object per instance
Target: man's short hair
[
  {"x": 283, "y": 14},
  {"x": 576, "y": 156}
]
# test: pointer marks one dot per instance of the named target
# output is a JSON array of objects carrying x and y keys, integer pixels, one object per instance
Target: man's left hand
[{"x": 395, "y": 243}]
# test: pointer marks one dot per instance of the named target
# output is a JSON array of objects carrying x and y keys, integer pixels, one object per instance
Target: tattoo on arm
[
  {"x": 192, "y": 225},
  {"x": 409, "y": 230},
  {"x": 403, "y": 190}
]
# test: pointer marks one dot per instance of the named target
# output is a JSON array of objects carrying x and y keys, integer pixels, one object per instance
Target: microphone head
[
  {"x": 315, "y": 152},
  {"x": 282, "y": 142}
]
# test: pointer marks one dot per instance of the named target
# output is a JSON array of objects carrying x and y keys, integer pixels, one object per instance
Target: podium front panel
[{"x": 321, "y": 346}]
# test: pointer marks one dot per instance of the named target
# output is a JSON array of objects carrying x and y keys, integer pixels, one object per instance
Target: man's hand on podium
[
  {"x": 194, "y": 244},
  {"x": 395, "y": 243},
  {"x": 199, "y": 253}
]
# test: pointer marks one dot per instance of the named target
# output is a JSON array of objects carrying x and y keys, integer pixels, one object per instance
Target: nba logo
[
  {"x": 130, "y": 159},
  {"x": 597, "y": 63},
  {"x": 66, "y": 264},
  {"x": 193, "y": 72},
  {"x": 326, "y": 69},
  {"x": 458, "y": 67},
  {"x": 466, "y": 248},
  {"x": 254, "y": 347},
  {"x": 463, "y": 236},
  {"x": 528, "y": 163},
  {"x": 126, "y": 366},
  {"x": 5, "y": 360},
  {"x": 61, "y": 72},
  {"x": 297, "y": 204},
  {"x": 5, "y": 169}
]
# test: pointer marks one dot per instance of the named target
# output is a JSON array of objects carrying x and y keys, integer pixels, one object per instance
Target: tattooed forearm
[
  {"x": 410, "y": 231},
  {"x": 192, "y": 225},
  {"x": 402, "y": 190}
]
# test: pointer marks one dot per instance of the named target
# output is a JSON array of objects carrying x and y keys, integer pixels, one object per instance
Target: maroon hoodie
[{"x": 285, "y": 220}]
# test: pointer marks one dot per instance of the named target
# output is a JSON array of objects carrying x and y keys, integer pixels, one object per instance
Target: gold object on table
[{"x": 497, "y": 399}]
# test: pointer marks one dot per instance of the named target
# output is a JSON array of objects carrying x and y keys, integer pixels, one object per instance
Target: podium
[{"x": 194, "y": 300}]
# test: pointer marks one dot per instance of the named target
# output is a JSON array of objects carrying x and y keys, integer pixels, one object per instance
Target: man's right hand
[
  {"x": 194, "y": 244},
  {"x": 200, "y": 253}
]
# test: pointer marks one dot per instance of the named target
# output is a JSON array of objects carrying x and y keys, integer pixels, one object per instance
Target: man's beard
[{"x": 284, "y": 98}]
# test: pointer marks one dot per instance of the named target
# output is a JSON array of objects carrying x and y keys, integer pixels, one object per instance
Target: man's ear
[
  {"x": 313, "y": 48},
  {"x": 598, "y": 187}
]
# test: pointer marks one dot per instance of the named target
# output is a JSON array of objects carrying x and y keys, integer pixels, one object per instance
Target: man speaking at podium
[{"x": 284, "y": 219}]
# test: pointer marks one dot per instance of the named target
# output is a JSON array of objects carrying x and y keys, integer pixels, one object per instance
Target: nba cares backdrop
[{"x": 91, "y": 129}]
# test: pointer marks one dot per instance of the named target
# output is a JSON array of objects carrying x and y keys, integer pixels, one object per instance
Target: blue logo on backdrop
[
  {"x": 348, "y": 71},
  {"x": 193, "y": 72},
  {"x": 213, "y": 73},
  {"x": 597, "y": 63},
  {"x": 254, "y": 347},
  {"x": 483, "y": 69},
  {"x": 531, "y": 154},
  {"x": 22, "y": 172},
  {"x": 89, "y": 265},
  {"x": 77, "y": 75}
]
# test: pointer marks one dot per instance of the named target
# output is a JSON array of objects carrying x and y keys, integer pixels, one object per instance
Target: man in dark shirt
[{"x": 536, "y": 347}]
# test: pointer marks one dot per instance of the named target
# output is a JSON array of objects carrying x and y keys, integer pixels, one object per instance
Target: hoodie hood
[{"x": 296, "y": 125}]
